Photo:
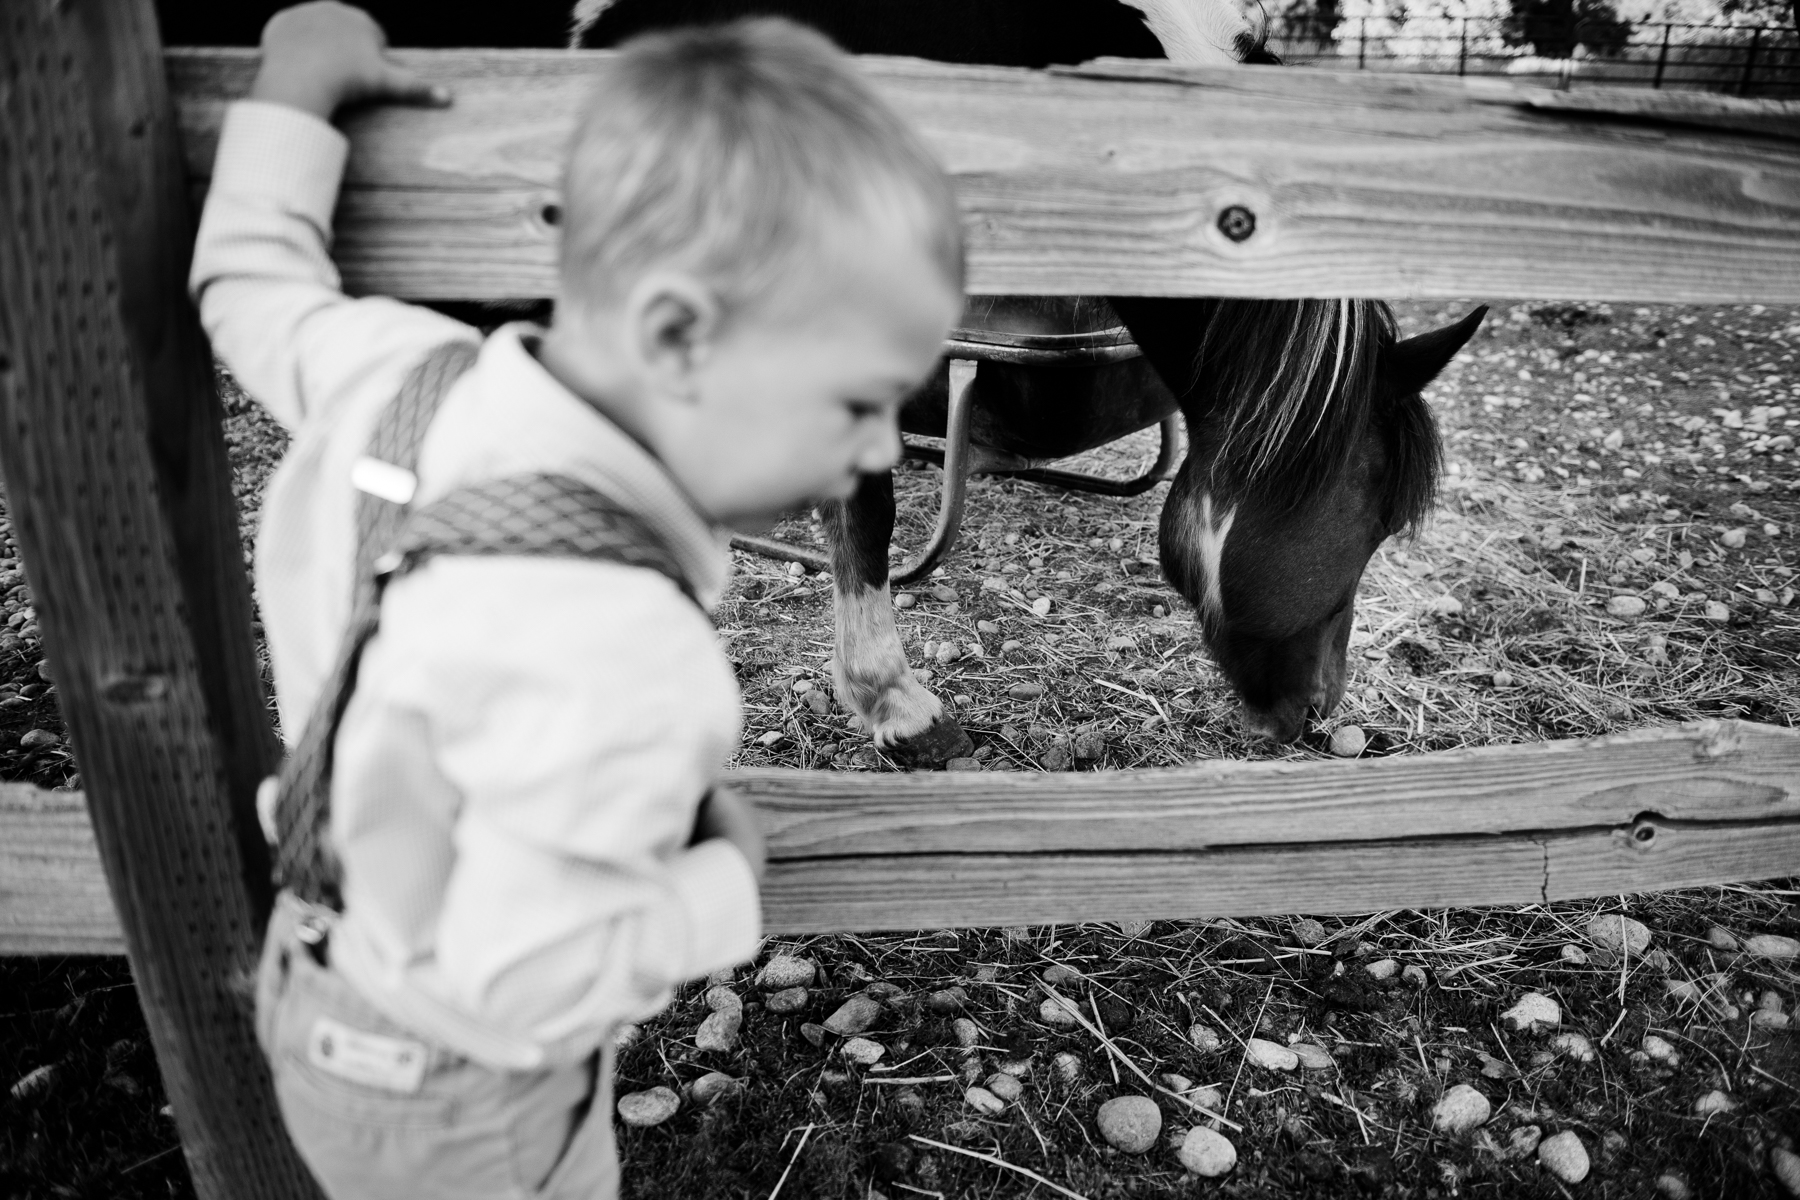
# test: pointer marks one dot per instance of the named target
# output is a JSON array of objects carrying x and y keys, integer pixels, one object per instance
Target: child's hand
[
  {"x": 724, "y": 814},
  {"x": 322, "y": 56}
]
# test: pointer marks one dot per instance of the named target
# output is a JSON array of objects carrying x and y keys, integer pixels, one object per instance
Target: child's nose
[{"x": 883, "y": 450}]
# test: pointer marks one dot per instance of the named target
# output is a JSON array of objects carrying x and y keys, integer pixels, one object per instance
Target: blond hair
[{"x": 726, "y": 150}]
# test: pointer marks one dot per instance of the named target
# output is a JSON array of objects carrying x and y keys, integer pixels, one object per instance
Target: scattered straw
[{"x": 1001, "y": 1162}]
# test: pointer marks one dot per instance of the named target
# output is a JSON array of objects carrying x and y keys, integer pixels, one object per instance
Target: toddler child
[{"x": 501, "y": 831}]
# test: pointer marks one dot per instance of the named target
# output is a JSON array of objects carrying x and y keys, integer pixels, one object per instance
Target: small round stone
[
  {"x": 1573, "y": 1045},
  {"x": 652, "y": 1107},
  {"x": 712, "y": 1086},
  {"x": 1060, "y": 975},
  {"x": 1571, "y": 953},
  {"x": 984, "y": 1101},
  {"x": 1502, "y": 679},
  {"x": 1308, "y": 932},
  {"x": 1005, "y": 1086},
  {"x": 947, "y": 1000},
  {"x": 1271, "y": 1055},
  {"x": 905, "y": 600},
  {"x": 1313, "y": 1057},
  {"x": 1714, "y": 1103},
  {"x": 1130, "y": 1123},
  {"x": 1459, "y": 1110},
  {"x": 1204, "y": 1038},
  {"x": 1348, "y": 741},
  {"x": 1619, "y": 933},
  {"x": 718, "y": 1034},
  {"x": 1627, "y": 607},
  {"x": 1382, "y": 969},
  {"x": 1533, "y": 1011},
  {"x": 965, "y": 763},
  {"x": 1068, "y": 1067},
  {"x": 1721, "y": 939},
  {"x": 862, "y": 1051},
  {"x": 1059, "y": 1011},
  {"x": 1786, "y": 1165},
  {"x": 788, "y": 1000},
  {"x": 1025, "y": 691},
  {"x": 1661, "y": 1050},
  {"x": 1671, "y": 1186},
  {"x": 967, "y": 1032},
  {"x": 1207, "y": 1152},
  {"x": 854, "y": 1016},
  {"x": 784, "y": 971},
  {"x": 1564, "y": 1157},
  {"x": 1523, "y": 1141},
  {"x": 1763, "y": 945}
]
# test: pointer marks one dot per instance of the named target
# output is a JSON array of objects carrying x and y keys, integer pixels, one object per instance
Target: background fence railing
[{"x": 1744, "y": 60}]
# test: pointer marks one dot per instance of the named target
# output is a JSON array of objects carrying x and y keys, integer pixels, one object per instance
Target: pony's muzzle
[{"x": 1285, "y": 720}]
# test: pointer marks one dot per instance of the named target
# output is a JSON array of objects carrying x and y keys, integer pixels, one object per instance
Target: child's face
[{"x": 789, "y": 409}]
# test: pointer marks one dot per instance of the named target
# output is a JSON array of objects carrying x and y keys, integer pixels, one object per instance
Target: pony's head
[{"x": 1310, "y": 445}]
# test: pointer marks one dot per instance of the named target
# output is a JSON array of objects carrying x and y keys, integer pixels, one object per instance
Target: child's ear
[{"x": 674, "y": 319}]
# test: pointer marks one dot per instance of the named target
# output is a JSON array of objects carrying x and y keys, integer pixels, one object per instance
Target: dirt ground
[{"x": 1613, "y": 549}]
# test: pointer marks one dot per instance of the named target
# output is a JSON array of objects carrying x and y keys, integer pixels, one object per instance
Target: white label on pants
[{"x": 392, "y": 1064}]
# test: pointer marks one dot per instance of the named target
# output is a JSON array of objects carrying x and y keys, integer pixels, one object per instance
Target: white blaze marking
[
  {"x": 1195, "y": 32},
  {"x": 1212, "y": 555}
]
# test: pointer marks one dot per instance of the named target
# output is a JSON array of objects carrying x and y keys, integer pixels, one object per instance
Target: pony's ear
[{"x": 1408, "y": 366}]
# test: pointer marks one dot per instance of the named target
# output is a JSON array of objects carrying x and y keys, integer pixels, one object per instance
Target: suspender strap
[{"x": 532, "y": 514}]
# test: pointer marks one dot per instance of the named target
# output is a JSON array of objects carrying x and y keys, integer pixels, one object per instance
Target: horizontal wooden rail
[
  {"x": 1115, "y": 178},
  {"x": 1654, "y": 809}
]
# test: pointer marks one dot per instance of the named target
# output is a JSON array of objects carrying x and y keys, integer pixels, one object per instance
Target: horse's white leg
[{"x": 870, "y": 669}]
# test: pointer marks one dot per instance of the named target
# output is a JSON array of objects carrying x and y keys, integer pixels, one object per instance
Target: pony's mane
[{"x": 1296, "y": 385}]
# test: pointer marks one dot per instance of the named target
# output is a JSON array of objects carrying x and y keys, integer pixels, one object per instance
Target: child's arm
[{"x": 268, "y": 292}]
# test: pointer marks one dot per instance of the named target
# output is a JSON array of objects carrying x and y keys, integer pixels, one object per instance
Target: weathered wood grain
[
  {"x": 1501, "y": 825},
  {"x": 119, "y": 494},
  {"x": 1710, "y": 771},
  {"x": 931, "y": 891},
  {"x": 1111, "y": 179}
]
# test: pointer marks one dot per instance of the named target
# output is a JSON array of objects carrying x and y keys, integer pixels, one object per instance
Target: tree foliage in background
[{"x": 1554, "y": 28}]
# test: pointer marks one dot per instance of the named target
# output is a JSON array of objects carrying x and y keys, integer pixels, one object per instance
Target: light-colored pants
[{"x": 464, "y": 1132}]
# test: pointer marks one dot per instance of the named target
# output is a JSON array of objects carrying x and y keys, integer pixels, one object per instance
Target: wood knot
[{"x": 135, "y": 689}]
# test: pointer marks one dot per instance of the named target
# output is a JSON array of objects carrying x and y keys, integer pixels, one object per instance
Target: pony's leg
[{"x": 870, "y": 671}]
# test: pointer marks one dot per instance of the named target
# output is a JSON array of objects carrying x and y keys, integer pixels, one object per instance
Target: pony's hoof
[{"x": 931, "y": 748}]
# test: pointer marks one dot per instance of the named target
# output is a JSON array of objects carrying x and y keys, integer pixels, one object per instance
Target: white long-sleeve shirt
[{"x": 519, "y": 769}]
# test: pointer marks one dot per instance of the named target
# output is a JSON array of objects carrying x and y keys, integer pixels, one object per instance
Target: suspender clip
[{"x": 384, "y": 480}]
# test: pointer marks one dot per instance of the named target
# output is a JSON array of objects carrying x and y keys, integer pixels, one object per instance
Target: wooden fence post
[
  {"x": 1743, "y": 88},
  {"x": 120, "y": 497}
]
